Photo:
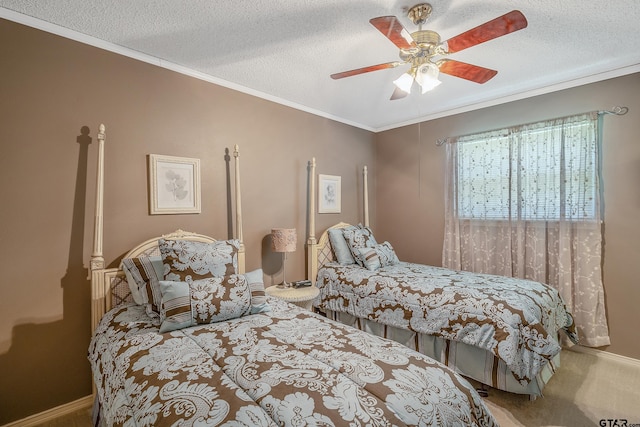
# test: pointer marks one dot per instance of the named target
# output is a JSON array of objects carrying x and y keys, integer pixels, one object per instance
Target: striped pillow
[
  {"x": 378, "y": 256},
  {"x": 211, "y": 300},
  {"x": 258, "y": 296},
  {"x": 144, "y": 275}
]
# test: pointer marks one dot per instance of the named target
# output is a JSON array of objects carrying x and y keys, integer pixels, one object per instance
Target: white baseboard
[
  {"x": 605, "y": 355},
  {"x": 53, "y": 413}
]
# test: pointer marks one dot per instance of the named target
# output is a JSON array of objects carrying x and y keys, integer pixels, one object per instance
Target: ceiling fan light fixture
[
  {"x": 404, "y": 82},
  {"x": 422, "y": 48},
  {"x": 427, "y": 77}
]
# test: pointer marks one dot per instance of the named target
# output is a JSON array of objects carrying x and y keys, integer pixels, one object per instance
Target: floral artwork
[{"x": 175, "y": 185}]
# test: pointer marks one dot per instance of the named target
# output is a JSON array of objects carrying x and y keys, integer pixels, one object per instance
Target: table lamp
[{"x": 284, "y": 240}]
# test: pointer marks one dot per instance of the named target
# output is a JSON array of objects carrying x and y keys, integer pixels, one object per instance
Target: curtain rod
[{"x": 616, "y": 111}]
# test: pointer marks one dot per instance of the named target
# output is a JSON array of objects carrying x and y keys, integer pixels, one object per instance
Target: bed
[
  {"x": 221, "y": 352},
  {"x": 502, "y": 332}
]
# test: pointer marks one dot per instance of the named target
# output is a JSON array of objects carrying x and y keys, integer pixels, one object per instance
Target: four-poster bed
[
  {"x": 499, "y": 331},
  {"x": 214, "y": 350}
]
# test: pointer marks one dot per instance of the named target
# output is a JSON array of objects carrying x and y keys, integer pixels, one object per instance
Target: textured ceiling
[{"x": 285, "y": 50}]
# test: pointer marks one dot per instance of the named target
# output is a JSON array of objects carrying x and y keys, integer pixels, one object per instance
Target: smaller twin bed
[
  {"x": 500, "y": 331},
  {"x": 184, "y": 336}
]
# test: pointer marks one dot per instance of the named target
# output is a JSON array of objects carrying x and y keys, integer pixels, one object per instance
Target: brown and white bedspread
[
  {"x": 285, "y": 367},
  {"x": 517, "y": 320}
]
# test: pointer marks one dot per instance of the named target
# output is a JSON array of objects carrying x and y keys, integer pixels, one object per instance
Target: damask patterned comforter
[
  {"x": 285, "y": 367},
  {"x": 517, "y": 320}
]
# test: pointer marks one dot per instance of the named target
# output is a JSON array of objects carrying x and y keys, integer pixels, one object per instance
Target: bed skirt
[{"x": 469, "y": 361}]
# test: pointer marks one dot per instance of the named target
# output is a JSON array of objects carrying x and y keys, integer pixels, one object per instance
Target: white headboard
[
  {"x": 319, "y": 252},
  {"x": 109, "y": 286}
]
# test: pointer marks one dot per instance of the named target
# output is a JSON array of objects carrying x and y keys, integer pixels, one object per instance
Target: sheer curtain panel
[{"x": 525, "y": 202}]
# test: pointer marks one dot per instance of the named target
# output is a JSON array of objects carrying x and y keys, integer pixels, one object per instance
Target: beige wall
[
  {"x": 50, "y": 88},
  {"x": 410, "y": 187}
]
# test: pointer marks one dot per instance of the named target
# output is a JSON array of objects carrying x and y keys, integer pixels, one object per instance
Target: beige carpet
[{"x": 585, "y": 389}]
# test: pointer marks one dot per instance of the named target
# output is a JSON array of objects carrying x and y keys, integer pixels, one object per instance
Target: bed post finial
[
  {"x": 366, "y": 196},
  {"x": 97, "y": 259},
  {"x": 239, "y": 236}
]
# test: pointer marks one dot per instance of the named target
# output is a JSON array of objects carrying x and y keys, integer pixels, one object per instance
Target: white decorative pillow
[
  {"x": 359, "y": 238},
  {"x": 186, "y": 259},
  {"x": 143, "y": 275},
  {"x": 211, "y": 300},
  {"x": 340, "y": 247},
  {"x": 378, "y": 256}
]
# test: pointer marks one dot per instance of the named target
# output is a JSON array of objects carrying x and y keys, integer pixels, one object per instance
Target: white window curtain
[{"x": 525, "y": 202}]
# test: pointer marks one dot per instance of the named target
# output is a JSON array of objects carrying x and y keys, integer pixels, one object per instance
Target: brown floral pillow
[
  {"x": 186, "y": 260},
  {"x": 359, "y": 238},
  {"x": 211, "y": 300}
]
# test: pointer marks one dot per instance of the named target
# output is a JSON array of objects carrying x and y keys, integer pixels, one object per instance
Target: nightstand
[{"x": 301, "y": 297}]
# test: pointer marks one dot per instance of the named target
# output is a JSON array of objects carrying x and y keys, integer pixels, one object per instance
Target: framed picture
[
  {"x": 329, "y": 194},
  {"x": 174, "y": 185}
]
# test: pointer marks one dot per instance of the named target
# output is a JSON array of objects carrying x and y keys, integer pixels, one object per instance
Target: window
[
  {"x": 544, "y": 171},
  {"x": 525, "y": 202}
]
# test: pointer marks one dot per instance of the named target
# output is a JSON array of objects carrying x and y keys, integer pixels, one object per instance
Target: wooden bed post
[
  {"x": 312, "y": 254},
  {"x": 239, "y": 236},
  {"x": 366, "y": 197},
  {"x": 97, "y": 258}
]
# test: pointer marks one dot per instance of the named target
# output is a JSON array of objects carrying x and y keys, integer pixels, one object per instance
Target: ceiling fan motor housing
[
  {"x": 426, "y": 37},
  {"x": 427, "y": 43}
]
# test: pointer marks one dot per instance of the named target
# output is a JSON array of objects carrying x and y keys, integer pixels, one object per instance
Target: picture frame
[
  {"x": 174, "y": 185},
  {"x": 329, "y": 194}
]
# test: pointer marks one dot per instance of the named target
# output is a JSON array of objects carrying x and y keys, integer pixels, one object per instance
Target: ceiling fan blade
[
  {"x": 505, "y": 24},
  {"x": 365, "y": 70},
  {"x": 466, "y": 71},
  {"x": 392, "y": 29}
]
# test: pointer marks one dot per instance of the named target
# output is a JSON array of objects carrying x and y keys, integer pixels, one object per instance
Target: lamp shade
[
  {"x": 404, "y": 82},
  {"x": 427, "y": 77},
  {"x": 283, "y": 239}
]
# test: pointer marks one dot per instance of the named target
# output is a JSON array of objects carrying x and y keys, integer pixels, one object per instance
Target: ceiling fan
[{"x": 424, "y": 51}]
